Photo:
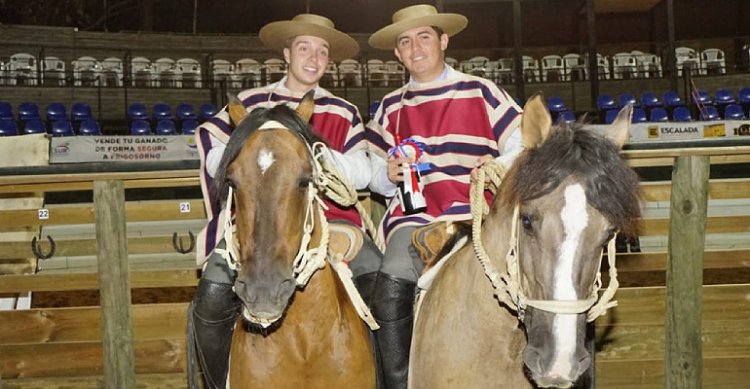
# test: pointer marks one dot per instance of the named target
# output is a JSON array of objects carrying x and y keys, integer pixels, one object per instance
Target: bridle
[{"x": 507, "y": 284}]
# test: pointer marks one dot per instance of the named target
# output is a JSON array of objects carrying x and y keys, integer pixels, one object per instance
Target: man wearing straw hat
[
  {"x": 452, "y": 123},
  {"x": 308, "y": 42}
]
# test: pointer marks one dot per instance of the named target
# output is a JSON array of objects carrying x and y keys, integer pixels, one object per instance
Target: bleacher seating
[
  {"x": 628, "y": 98},
  {"x": 555, "y": 104},
  {"x": 80, "y": 111},
  {"x": 624, "y": 65},
  {"x": 709, "y": 112},
  {"x": 140, "y": 127},
  {"x": 553, "y": 68},
  {"x": 62, "y": 128},
  {"x": 190, "y": 69},
  {"x": 166, "y": 74},
  {"x": 28, "y": 111},
  {"x": 56, "y": 111},
  {"x": 141, "y": 72},
  {"x": 639, "y": 116},
  {"x": 723, "y": 97},
  {"x": 605, "y": 103},
  {"x": 734, "y": 112},
  {"x": 658, "y": 114},
  {"x": 681, "y": 114},
  {"x": 376, "y": 72},
  {"x": 6, "y": 111},
  {"x": 701, "y": 97},
  {"x": 567, "y": 117},
  {"x": 185, "y": 111},
  {"x": 162, "y": 111},
  {"x": 650, "y": 100},
  {"x": 53, "y": 71},
  {"x": 713, "y": 61},
  {"x": 189, "y": 126},
  {"x": 743, "y": 97},
  {"x": 34, "y": 126},
  {"x": 138, "y": 111},
  {"x": 22, "y": 69},
  {"x": 350, "y": 73},
  {"x": 166, "y": 127},
  {"x": 575, "y": 67},
  {"x": 8, "y": 128},
  {"x": 248, "y": 72},
  {"x": 89, "y": 126},
  {"x": 275, "y": 69},
  {"x": 112, "y": 71},
  {"x": 687, "y": 58},
  {"x": 207, "y": 111},
  {"x": 610, "y": 116}
]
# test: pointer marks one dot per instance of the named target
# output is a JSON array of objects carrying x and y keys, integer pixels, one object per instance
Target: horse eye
[
  {"x": 304, "y": 182},
  {"x": 231, "y": 184},
  {"x": 526, "y": 223},
  {"x": 610, "y": 234}
]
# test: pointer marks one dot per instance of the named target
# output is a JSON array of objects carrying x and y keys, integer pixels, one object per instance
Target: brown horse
[
  {"x": 557, "y": 207},
  {"x": 298, "y": 328}
]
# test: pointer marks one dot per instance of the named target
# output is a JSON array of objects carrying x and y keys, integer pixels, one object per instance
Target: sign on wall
[{"x": 122, "y": 148}]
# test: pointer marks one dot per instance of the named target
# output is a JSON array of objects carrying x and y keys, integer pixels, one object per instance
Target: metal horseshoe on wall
[
  {"x": 39, "y": 252},
  {"x": 177, "y": 243}
]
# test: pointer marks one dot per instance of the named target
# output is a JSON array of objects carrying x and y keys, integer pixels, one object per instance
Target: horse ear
[
  {"x": 306, "y": 106},
  {"x": 237, "y": 111},
  {"x": 535, "y": 122},
  {"x": 620, "y": 128}
]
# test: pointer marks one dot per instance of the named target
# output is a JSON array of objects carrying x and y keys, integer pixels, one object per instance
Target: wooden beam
[
  {"x": 684, "y": 353},
  {"x": 114, "y": 284},
  {"x": 42, "y": 282}
]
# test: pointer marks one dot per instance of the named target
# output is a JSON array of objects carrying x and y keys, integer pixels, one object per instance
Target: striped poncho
[
  {"x": 336, "y": 120},
  {"x": 459, "y": 119}
]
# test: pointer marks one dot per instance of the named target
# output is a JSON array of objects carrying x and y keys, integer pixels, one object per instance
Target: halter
[
  {"x": 307, "y": 260},
  {"x": 507, "y": 285}
]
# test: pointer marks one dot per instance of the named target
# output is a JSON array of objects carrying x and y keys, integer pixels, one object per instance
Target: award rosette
[{"x": 411, "y": 190}]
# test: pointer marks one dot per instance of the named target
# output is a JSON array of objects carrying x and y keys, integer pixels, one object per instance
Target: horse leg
[
  {"x": 393, "y": 308},
  {"x": 214, "y": 312}
]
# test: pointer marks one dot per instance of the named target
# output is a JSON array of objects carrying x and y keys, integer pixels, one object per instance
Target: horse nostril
[{"x": 533, "y": 359}]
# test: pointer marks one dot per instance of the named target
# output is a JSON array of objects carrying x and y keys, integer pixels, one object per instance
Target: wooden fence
[{"x": 86, "y": 346}]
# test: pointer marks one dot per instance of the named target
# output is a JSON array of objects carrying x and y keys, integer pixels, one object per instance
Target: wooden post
[
  {"x": 687, "y": 226},
  {"x": 114, "y": 284}
]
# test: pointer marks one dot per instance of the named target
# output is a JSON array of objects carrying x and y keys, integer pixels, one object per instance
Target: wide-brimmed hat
[
  {"x": 275, "y": 34},
  {"x": 413, "y": 17}
]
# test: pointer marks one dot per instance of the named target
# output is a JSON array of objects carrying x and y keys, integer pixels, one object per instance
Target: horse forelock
[
  {"x": 240, "y": 135},
  {"x": 611, "y": 186}
]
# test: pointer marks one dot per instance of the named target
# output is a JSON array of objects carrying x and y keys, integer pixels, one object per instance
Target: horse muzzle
[{"x": 263, "y": 302}]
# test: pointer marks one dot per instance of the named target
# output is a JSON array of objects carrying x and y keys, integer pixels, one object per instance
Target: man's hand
[
  {"x": 481, "y": 161},
  {"x": 396, "y": 169}
]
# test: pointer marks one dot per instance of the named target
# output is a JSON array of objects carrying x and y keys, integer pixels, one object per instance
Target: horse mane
[
  {"x": 570, "y": 150},
  {"x": 280, "y": 113}
]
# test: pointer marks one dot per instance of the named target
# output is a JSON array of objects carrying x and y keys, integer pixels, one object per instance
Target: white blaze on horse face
[
  {"x": 574, "y": 219},
  {"x": 265, "y": 160}
]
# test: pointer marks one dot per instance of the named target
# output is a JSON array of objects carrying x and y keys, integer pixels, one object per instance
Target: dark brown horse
[
  {"x": 558, "y": 205},
  {"x": 298, "y": 327}
]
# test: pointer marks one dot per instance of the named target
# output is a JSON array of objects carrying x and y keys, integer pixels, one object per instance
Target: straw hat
[
  {"x": 274, "y": 35},
  {"x": 413, "y": 17}
]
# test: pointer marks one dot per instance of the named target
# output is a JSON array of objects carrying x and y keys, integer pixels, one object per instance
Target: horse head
[
  {"x": 570, "y": 191},
  {"x": 268, "y": 172}
]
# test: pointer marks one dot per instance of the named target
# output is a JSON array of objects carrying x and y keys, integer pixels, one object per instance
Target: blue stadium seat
[
  {"x": 138, "y": 111},
  {"x": 681, "y": 114},
  {"x": 701, "y": 96},
  {"x": 89, "y": 127},
  {"x": 723, "y": 97},
  {"x": 658, "y": 114},
  {"x": 710, "y": 113},
  {"x": 734, "y": 112},
  {"x": 62, "y": 128},
  {"x": 189, "y": 126},
  {"x": 650, "y": 100},
  {"x": 556, "y": 104},
  {"x": 8, "y": 128},
  {"x": 567, "y": 117},
  {"x": 165, "y": 127},
  {"x": 28, "y": 111},
  {"x": 207, "y": 111},
  {"x": 56, "y": 111},
  {"x": 610, "y": 115},
  {"x": 605, "y": 103},
  {"x": 6, "y": 111},
  {"x": 80, "y": 111},
  {"x": 34, "y": 126},
  {"x": 185, "y": 111},
  {"x": 639, "y": 116},
  {"x": 672, "y": 99},
  {"x": 373, "y": 108},
  {"x": 743, "y": 97},
  {"x": 162, "y": 111},
  {"x": 628, "y": 98},
  {"x": 140, "y": 127}
]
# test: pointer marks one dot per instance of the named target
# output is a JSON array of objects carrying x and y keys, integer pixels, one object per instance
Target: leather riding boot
[
  {"x": 635, "y": 244},
  {"x": 215, "y": 311},
  {"x": 393, "y": 308},
  {"x": 365, "y": 284}
]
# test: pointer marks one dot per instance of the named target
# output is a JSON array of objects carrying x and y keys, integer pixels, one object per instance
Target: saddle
[
  {"x": 429, "y": 240},
  {"x": 345, "y": 240}
]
